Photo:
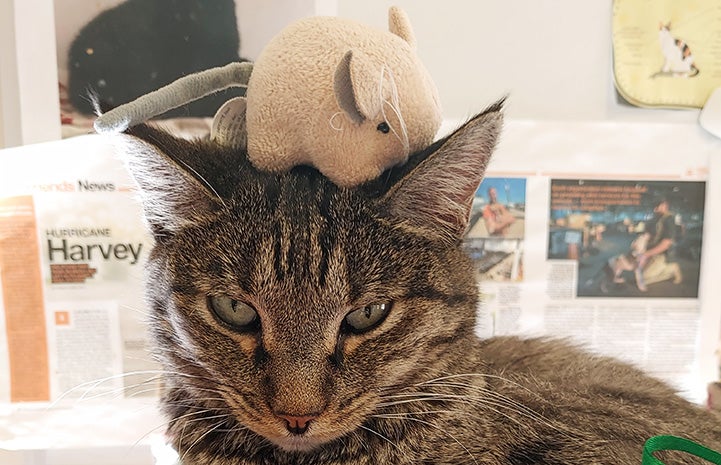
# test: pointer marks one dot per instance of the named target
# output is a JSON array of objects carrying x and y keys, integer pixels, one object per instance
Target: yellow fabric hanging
[{"x": 667, "y": 53}]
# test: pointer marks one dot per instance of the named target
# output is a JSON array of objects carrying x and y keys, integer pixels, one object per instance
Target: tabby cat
[{"x": 301, "y": 323}]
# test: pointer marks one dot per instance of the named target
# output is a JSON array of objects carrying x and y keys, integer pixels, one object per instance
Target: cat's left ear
[
  {"x": 436, "y": 195},
  {"x": 172, "y": 190}
]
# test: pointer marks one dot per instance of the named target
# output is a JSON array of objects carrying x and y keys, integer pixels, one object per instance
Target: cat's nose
[{"x": 297, "y": 424}]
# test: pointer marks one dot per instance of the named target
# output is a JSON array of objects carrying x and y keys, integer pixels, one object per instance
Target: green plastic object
[{"x": 659, "y": 443}]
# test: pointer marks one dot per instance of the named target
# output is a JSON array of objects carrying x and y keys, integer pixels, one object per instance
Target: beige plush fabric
[{"x": 320, "y": 90}]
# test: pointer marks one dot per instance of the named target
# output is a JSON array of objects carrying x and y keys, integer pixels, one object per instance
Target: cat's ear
[
  {"x": 172, "y": 190},
  {"x": 436, "y": 194}
]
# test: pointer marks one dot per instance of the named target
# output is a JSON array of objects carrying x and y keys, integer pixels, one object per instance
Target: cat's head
[{"x": 287, "y": 308}]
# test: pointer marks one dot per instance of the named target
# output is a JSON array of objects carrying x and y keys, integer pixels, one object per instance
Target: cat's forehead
[
  {"x": 288, "y": 202},
  {"x": 284, "y": 236}
]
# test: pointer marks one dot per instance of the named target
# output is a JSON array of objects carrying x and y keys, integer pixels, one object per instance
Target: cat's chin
[{"x": 297, "y": 443}]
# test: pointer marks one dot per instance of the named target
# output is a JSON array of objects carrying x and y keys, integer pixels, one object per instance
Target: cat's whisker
[
  {"x": 150, "y": 359},
  {"x": 169, "y": 423},
  {"x": 502, "y": 400},
  {"x": 94, "y": 384},
  {"x": 359, "y": 439},
  {"x": 446, "y": 433},
  {"x": 90, "y": 386},
  {"x": 490, "y": 393},
  {"x": 137, "y": 310},
  {"x": 493, "y": 408},
  {"x": 182, "y": 430},
  {"x": 212, "y": 417},
  {"x": 343, "y": 440},
  {"x": 195, "y": 399},
  {"x": 493, "y": 403},
  {"x": 119, "y": 392},
  {"x": 204, "y": 181},
  {"x": 404, "y": 414},
  {"x": 200, "y": 438},
  {"x": 478, "y": 375},
  {"x": 376, "y": 433},
  {"x": 190, "y": 414},
  {"x": 235, "y": 429},
  {"x": 133, "y": 390},
  {"x": 443, "y": 397},
  {"x": 424, "y": 400},
  {"x": 135, "y": 393},
  {"x": 421, "y": 396},
  {"x": 521, "y": 409},
  {"x": 148, "y": 433},
  {"x": 232, "y": 436}
]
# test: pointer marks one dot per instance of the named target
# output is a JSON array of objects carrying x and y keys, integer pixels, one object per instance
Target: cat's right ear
[
  {"x": 172, "y": 191},
  {"x": 436, "y": 193}
]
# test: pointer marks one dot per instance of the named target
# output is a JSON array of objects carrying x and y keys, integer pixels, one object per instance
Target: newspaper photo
[
  {"x": 629, "y": 238},
  {"x": 497, "y": 227}
]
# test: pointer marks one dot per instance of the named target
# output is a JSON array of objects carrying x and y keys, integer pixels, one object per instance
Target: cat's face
[{"x": 288, "y": 308}]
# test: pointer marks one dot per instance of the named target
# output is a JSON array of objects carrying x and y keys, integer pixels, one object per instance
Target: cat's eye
[
  {"x": 383, "y": 127},
  {"x": 365, "y": 318},
  {"x": 237, "y": 314}
]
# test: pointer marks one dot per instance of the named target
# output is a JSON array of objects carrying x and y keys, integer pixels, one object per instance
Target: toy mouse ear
[
  {"x": 228, "y": 128},
  {"x": 355, "y": 89},
  {"x": 400, "y": 25}
]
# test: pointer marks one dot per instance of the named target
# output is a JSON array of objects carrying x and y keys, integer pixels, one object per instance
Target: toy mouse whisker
[
  {"x": 394, "y": 104},
  {"x": 332, "y": 121}
]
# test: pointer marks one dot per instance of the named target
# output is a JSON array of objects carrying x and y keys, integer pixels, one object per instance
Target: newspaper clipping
[
  {"x": 595, "y": 232},
  {"x": 598, "y": 232}
]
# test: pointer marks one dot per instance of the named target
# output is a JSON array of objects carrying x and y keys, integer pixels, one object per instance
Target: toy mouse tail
[{"x": 184, "y": 90}]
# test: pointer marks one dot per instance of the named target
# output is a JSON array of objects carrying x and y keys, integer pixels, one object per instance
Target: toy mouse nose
[{"x": 297, "y": 424}]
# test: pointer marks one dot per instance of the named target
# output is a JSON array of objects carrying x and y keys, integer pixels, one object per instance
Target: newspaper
[
  {"x": 554, "y": 233},
  {"x": 72, "y": 313},
  {"x": 72, "y": 255}
]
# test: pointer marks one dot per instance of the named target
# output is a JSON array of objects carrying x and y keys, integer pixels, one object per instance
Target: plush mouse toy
[{"x": 345, "y": 98}]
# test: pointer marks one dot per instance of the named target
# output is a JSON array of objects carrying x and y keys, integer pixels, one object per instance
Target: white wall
[
  {"x": 9, "y": 98},
  {"x": 553, "y": 57},
  {"x": 260, "y": 20},
  {"x": 29, "y": 107}
]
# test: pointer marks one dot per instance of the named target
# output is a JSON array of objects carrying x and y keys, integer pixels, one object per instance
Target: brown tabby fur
[{"x": 418, "y": 389}]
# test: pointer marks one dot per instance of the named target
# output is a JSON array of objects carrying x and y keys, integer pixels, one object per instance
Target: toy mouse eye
[
  {"x": 384, "y": 128},
  {"x": 238, "y": 315},
  {"x": 364, "y": 319}
]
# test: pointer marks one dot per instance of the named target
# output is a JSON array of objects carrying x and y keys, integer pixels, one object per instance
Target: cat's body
[
  {"x": 301, "y": 323},
  {"x": 536, "y": 402}
]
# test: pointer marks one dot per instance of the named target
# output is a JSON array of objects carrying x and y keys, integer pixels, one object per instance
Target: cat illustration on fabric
[{"x": 678, "y": 61}]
